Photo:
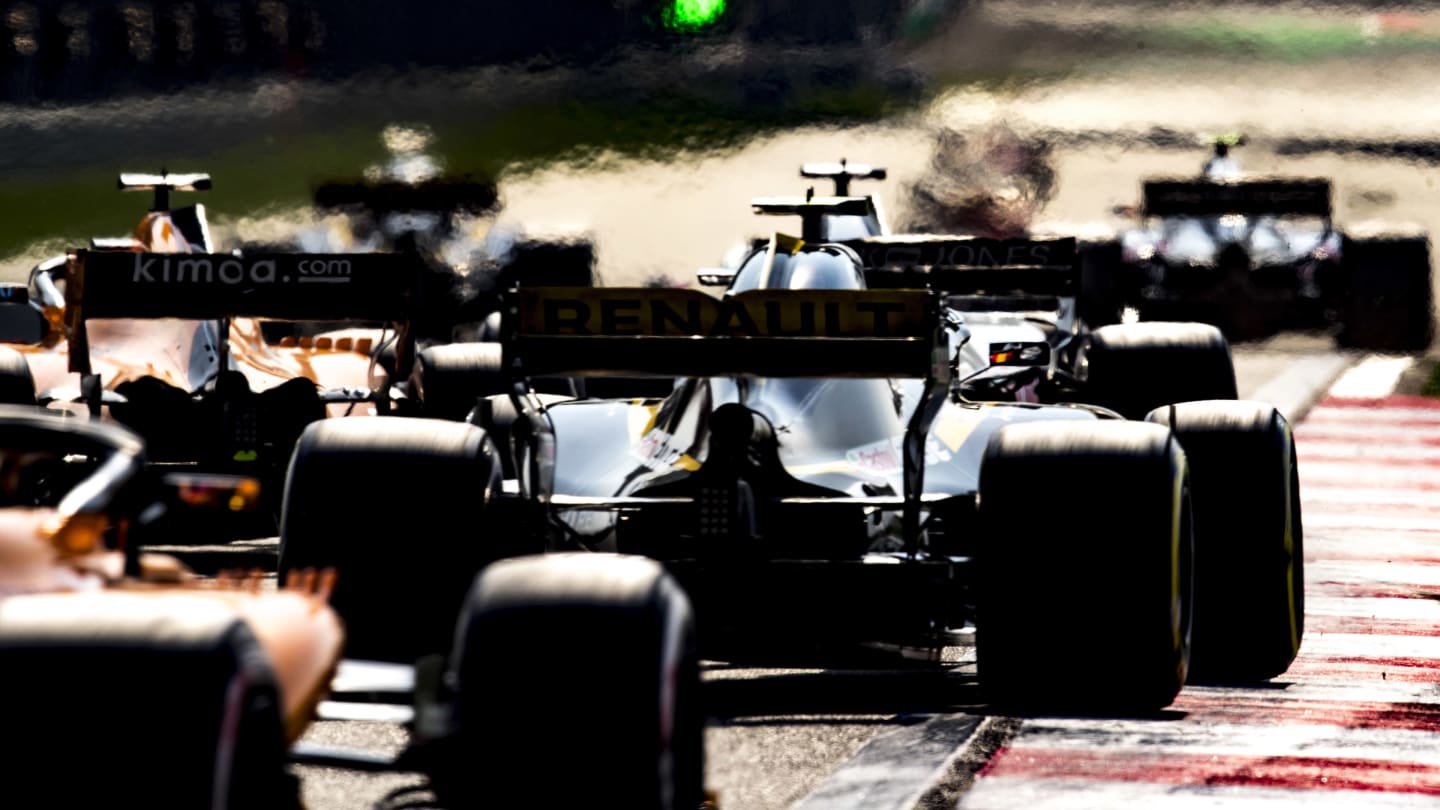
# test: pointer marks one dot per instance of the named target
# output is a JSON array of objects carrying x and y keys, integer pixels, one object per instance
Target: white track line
[{"x": 1374, "y": 376}]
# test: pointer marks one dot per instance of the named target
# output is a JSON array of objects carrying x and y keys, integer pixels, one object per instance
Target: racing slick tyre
[
  {"x": 1132, "y": 368},
  {"x": 1107, "y": 284},
  {"x": 1386, "y": 302},
  {"x": 405, "y": 558},
  {"x": 1121, "y": 561},
  {"x": 451, "y": 378},
  {"x": 1249, "y": 575},
  {"x": 128, "y": 702},
  {"x": 17, "y": 384},
  {"x": 579, "y": 661}
]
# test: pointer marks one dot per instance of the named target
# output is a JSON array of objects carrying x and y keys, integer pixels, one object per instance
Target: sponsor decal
[
  {"x": 658, "y": 450},
  {"x": 759, "y": 313},
  {"x": 157, "y": 268},
  {"x": 887, "y": 456},
  {"x": 973, "y": 252}
]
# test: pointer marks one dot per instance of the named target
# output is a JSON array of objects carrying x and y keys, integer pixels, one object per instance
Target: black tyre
[
  {"x": 1087, "y": 610},
  {"x": 533, "y": 722},
  {"x": 1386, "y": 302},
  {"x": 450, "y": 378},
  {"x": 1132, "y": 368},
  {"x": 1107, "y": 283},
  {"x": 401, "y": 507},
  {"x": 17, "y": 384},
  {"x": 171, "y": 708},
  {"x": 1249, "y": 541}
]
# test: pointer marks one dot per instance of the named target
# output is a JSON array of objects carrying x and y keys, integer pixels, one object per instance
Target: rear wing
[
  {"x": 1279, "y": 197},
  {"x": 971, "y": 265},
  {"x": 842, "y": 173},
  {"x": 138, "y": 181},
  {"x": 446, "y": 195},
  {"x": 812, "y": 210},
  {"x": 162, "y": 184},
  {"x": 199, "y": 286},
  {"x": 617, "y": 331},
  {"x": 766, "y": 332}
]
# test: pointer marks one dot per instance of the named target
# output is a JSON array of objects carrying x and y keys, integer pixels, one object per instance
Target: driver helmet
[{"x": 1221, "y": 166}]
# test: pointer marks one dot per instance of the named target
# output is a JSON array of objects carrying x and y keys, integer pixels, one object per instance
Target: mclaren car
[
  {"x": 197, "y": 692},
  {"x": 166, "y": 333},
  {"x": 180, "y": 692}
]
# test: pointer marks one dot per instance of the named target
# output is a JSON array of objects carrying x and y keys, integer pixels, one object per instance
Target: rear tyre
[
  {"x": 1249, "y": 542},
  {"x": 180, "y": 708},
  {"x": 452, "y": 377},
  {"x": 405, "y": 559},
  {"x": 1386, "y": 301},
  {"x": 1107, "y": 283},
  {"x": 1094, "y": 618},
  {"x": 627, "y": 725},
  {"x": 17, "y": 384},
  {"x": 1133, "y": 368}
]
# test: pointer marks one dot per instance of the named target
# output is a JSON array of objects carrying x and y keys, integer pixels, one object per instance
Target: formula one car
[
  {"x": 814, "y": 505},
  {"x": 1254, "y": 255},
  {"x": 195, "y": 693},
  {"x": 1021, "y": 302},
  {"x": 185, "y": 692},
  {"x": 162, "y": 333}
]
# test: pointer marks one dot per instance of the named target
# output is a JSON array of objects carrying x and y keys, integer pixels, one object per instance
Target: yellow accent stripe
[
  {"x": 1177, "y": 623},
  {"x": 1290, "y": 541},
  {"x": 640, "y": 419}
]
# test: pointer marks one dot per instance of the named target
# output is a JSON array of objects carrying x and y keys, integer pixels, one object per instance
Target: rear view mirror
[{"x": 715, "y": 276}]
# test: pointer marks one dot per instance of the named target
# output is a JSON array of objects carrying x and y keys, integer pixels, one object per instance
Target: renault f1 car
[
  {"x": 1254, "y": 255},
  {"x": 819, "y": 484}
]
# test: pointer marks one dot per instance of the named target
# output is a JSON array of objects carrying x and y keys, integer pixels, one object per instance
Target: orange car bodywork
[{"x": 55, "y": 565}]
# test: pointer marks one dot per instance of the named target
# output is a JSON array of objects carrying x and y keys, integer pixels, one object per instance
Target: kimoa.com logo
[{"x": 152, "y": 268}]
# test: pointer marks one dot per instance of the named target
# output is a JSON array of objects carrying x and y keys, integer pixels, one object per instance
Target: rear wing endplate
[
  {"x": 618, "y": 331},
  {"x": 1292, "y": 197},
  {"x": 971, "y": 265}
]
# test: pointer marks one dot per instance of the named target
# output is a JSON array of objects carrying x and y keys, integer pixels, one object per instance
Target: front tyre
[
  {"x": 1249, "y": 542},
  {"x": 575, "y": 671},
  {"x": 1134, "y": 367}
]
